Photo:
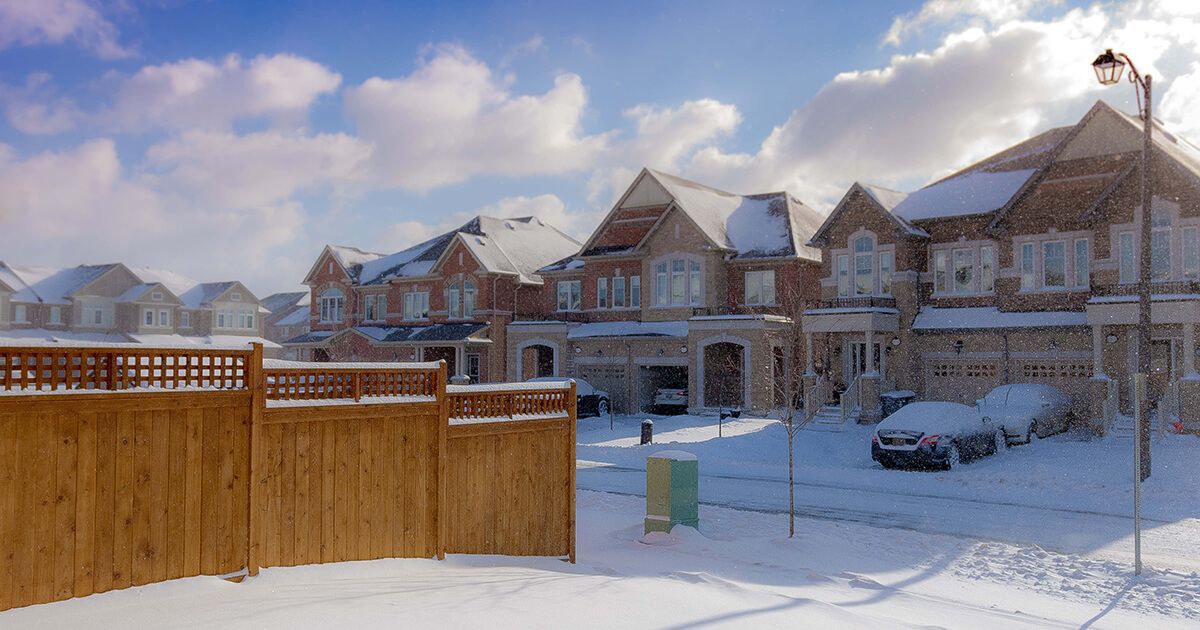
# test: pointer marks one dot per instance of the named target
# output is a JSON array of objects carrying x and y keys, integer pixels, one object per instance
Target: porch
[{"x": 847, "y": 382}]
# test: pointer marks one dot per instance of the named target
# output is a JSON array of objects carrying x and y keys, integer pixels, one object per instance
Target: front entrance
[
  {"x": 537, "y": 361},
  {"x": 856, "y": 359},
  {"x": 723, "y": 376},
  {"x": 1164, "y": 366},
  {"x": 448, "y": 354}
]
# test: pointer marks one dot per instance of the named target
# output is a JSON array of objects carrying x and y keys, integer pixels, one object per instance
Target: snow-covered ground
[{"x": 742, "y": 571}]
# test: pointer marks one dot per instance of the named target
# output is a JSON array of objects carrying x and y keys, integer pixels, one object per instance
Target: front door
[
  {"x": 1163, "y": 364},
  {"x": 857, "y": 359}
]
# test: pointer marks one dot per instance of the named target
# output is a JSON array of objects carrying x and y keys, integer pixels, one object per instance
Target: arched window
[
  {"x": 453, "y": 303},
  {"x": 332, "y": 303},
  {"x": 864, "y": 265},
  {"x": 469, "y": 297}
]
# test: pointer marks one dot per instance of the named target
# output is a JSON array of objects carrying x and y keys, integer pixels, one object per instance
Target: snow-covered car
[
  {"x": 1026, "y": 411},
  {"x": 671, "y": 399},
  {"x": 589, "y": 401},
  {"x": 934, "y": 435}
]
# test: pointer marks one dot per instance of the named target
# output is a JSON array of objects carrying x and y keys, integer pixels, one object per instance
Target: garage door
[
  {"x": 610, "y": 378},
  {"x": 1071, "y": 376},
  {"x": 961, "y": 380}
]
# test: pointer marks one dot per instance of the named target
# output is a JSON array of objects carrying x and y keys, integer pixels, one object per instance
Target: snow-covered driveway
[{"x": 1063, "y": 494}]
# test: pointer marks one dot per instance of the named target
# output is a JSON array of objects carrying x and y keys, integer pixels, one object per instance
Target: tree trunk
[{"x": 791, "y": 485}]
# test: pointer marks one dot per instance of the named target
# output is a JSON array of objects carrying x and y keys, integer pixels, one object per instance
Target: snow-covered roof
[
  {"x": 230, "y": 342},
  {"x": 965, "y": 318},
  {"x": 298, "y": 315},
  {"x": 516, "y": 246},
  {"x": 629, "y": 329},
  {"x": 40, "y": 337},
  {"x": 755, "y": 226},
  {"x": 53, "y": 285},
  {"x": 193, "y": 294},
  {"x": 283, "y": 302},
  {"x": 22, "y": 292},
  {"x": 352, "y": 258},
  {"x": 570, "y": 263},
  {"x": 973, "y": 192}
]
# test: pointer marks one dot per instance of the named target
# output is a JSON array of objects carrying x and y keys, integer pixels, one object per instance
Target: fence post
[
  {"x": 443, "y": 430},
  {"x": 112, "y": 370},
  {"x": 257, "y": 386},
  {"x": 571, "y": 437},
  {"x": 357, "y": 385}
]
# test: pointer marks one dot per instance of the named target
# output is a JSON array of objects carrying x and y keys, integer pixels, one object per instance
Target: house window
[
  {"x": 760, "y": 287},
  {"x": 469, "y": 293},
  {"x": 987, "y": 269},
  {"x": 887, "y": 264},
  {"x": 635, "y": 291},
  {"x": 618, "y": 292},
  {"x": 55, "y": 314},
  {"x": 156, "y": 296},
  {"x": 236, "y": 297},
  {"x": 1160, "y": 245},
  {"x": 332, "y": 303},
  {"x": 416, "y": 305},
  {"x": 245, "y": 320},
  {"x": 473, "y": 367},
  {"x": 1191, "y": 253},
  {"x": 1054, "y": 264},
  {"x": 1128, "y": 268},
  {"x": 375, "y": 307},
  {"x": 843, "y": 275},
  {"x": 453, "y": 303},
  {"x": 148, "y": 317},
  {"x": 164, "y": 318},
  {"x": 964, "y": 270},
  {"x": 569, "y": 295},
  {"x": 681, "y": 286},
  {"x": 1083, "y": 275},
  {"x": 864, "y": 265},
  {"x": 92, "y": 314},
  {"x": 941, "y": 263},
  {"x": 601, "y": 292},
  {"x": 20, "y": 314},
  {"x": 185, "y": 319},
  {"x": 1028, "y": 281}
]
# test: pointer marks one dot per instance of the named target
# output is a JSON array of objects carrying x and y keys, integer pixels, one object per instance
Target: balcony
[
  {"x": 1157, "y": 288},
  {"x": 866, "y": 301}
]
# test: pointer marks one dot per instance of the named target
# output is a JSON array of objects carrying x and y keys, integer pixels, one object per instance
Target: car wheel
[
  {"x": 602, "y": 407},
  {"x": 953, "y": 457},
  {"x": 999, "y": 443}
]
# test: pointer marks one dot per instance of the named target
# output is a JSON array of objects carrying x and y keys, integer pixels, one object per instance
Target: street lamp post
[{"x": 1108, "y": 67}]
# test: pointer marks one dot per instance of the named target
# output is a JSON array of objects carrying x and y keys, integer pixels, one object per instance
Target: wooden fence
[{"x": 101, "y": 490}]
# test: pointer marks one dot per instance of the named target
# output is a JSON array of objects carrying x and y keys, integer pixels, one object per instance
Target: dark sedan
[
  {"x": 589, "y": 400},
  {"x": 935, "y": 435}
]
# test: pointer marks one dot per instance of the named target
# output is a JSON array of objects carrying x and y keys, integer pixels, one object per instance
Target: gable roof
[
  {"x": 52, "y": 285},
  {"x": 137, "y": 291},
  {"x": 281, "y": 302},
  {"x": 298, "y": 315},
  {"x": 516, "y": 246},
  {"x": 191, "y": 294},
  {"x": 884, "y": 198}
]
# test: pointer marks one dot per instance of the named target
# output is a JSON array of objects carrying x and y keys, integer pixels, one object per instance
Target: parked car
[
  {"x": 589, "y": 401},
  {"x": 671, "y": 400},
  {"x": 935, "y": 435},
  {"x": 1026, "y": 411}
]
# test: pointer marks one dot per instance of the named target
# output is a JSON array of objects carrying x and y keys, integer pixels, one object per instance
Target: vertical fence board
[
  {"x": 8, "y": 505},
  {"x": 176, "y": 493},
  {"x": 287, "y": 494},
  {"x": 123, "y": 500},
  {"x": 192, "y": 482},
  {"x": 160, "y": 469},
  {"x": 142, "y": 568},
  {"x": 44, "y": 478},
  {"x": 209, "y": 482}
]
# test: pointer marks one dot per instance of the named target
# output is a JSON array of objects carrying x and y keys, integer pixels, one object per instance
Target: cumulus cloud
[
  {"x": 977, "y": 12},
  {"x": 40, "y": 22},
  {"x": 202, "y": 94},
  {"x": 452, "y": 119},
  {"x": 36, "y": 108}
]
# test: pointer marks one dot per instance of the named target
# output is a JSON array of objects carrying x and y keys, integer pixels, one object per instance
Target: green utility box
[{"x": 672, "y": 491}]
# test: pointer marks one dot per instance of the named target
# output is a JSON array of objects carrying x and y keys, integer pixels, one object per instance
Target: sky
[{"x": 232, "y": 140}]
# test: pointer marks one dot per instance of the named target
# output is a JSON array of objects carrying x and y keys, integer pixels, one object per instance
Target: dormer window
[
  {"x": 236, "y": 297},
  {"x": 157, "y": 296}
]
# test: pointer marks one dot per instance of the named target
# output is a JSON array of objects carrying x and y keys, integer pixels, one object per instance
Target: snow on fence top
[
  {"x": 124, "y": 368},
  {"x": 282, "y": 364},
  {"x": 508, "y": 387}
]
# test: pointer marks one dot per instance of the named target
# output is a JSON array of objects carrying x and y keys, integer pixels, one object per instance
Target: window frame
[
  {"x": 1189, "y": 258},
  {"x": 1027, "y": 266},
  {"x": 471, "y": 291},
  {"x": 987, "y": 268},
  {"x": 185, "y": 319},
  {"x": 971, "y": 286},
  {"x": 415, "y": 305},
  {"x": 148, "y": 317},
  {"x": 20, "y": 314},
  {"x": 573, "y": 293},
  {"x": 332, "y": 306},
  {"x": 55, "y": 316},
  {"x": 620, "y": 298},
  {"x": 1062, "y": 244},
  {"x": 602, "y": 292},
  {"x": 885, "y": 277},
  {"x": 635, "y": 291},
  {"x": 763, "y": 281},
  {"x": 1081, "y": 267},
  {"x": 843, "y": 275},
  {"x": 1127, "y": 269}
]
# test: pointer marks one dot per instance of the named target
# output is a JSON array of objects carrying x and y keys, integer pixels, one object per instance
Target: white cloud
[
  {"x": 36, "y": 108},
  {"x": 976, "y": 12},
  {"x": 201, "y": 94},
  {"x": 40, "y": 22},
  {"x": 452, "y": 119}
]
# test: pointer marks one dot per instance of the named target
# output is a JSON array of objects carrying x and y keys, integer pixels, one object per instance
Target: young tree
[{"x": 787, "y": 385}]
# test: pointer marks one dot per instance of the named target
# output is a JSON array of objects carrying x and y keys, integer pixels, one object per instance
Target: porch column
[
  {"x": 458, "y": 361},
  {"x": 1097, "y": 352},
  {"x": 1189, "y": 349},
  {"x": 870, "y": 350},
  {"x": 808, "y": 347}
]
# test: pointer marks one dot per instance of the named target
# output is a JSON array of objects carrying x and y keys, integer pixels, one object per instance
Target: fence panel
[
  {"x": 48, "y": 369},
  {"x": 99, "y": 492}
]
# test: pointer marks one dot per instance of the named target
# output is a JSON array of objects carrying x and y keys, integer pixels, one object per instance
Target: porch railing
[
  {"x": 859, "y": 302},
  {"x": 815, "y": 397},
  {"x": 851, "y": 399}
]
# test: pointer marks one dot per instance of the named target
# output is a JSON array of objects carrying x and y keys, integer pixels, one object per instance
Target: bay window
[
  {"x": 760, "y": 287},
  {"x": 568, "y": 295},
  {"x": 677, "y": 283},
  {"x": 1174, "y": 247},
  {"x": 964, "y": 269},
  {"x": 416, "y": 305}
]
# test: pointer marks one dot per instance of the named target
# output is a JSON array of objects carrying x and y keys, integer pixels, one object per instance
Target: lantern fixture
[
  {"x": 1108, "y": 68},
  {"x": 682, "y": 349},
  {"x": 958, "y": 346},
  {"x": 895, "y": 341}
]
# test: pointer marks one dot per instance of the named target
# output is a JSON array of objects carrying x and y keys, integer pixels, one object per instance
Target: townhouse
[
  {"x": 1019, "y": 268},
  {"x": 287, "y": 317},
  {"x": 114, "y": 303},
  {"x": 681, "y": 286},
  {"x": 449, "y": 298}
]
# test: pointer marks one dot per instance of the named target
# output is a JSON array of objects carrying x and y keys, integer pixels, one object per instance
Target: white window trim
[
  {"x": 1179, "y": 223},
  {"x": 21, "y": 314},
  {"x": 1066, "y": 271},
  {"x": 762, "y": 284},
  {"x": 415, "y": 303},
  {"x": 948, "y": 249},
  {"x": 848, "y": 252},
  {"x": 558, "y": 287},
  {"x": 1039, "y": 242},
  {"x": 687, "y": 284}
]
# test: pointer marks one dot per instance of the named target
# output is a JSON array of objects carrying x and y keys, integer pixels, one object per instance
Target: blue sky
[{"x": 233, "y": 139}]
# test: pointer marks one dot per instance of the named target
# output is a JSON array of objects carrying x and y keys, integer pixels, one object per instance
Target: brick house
[
  {"x": 287, "y": 317},
  {"x": 450, "y": 297},
  {"x": 1019, "y": 268},
  {"x": 118, "y": 304},
  {"x": 681, "y": 286}
]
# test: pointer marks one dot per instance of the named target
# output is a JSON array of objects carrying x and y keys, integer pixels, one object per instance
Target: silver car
[{"x": 1026, "y": 411}]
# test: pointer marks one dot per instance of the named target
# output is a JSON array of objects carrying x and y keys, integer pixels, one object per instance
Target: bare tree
[{"x": 787, "y": 385}]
